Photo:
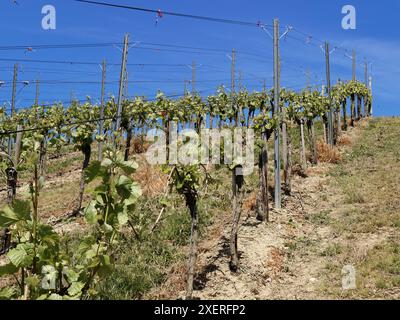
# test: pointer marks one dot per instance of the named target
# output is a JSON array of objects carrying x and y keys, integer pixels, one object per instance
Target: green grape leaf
[
  {"x": 93, "y": 171},
  {"x": 123, "y": 186},
  {"x": 22, "y": 255},
  {"x": 19, "y": 211},
  {"x": 76, "y": 288},
  {"x": 91, "y": 214},
  {"x": 8, "y": 269},
  {"x": 8, "y": 293},
  {"x": 123, "y": 218},
  {"x": 128, "y": 167}
]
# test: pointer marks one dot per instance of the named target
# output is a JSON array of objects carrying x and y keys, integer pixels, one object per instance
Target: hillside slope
[
  {"x": 347, "y": 214},
  {"x": 341, "y": 214}
]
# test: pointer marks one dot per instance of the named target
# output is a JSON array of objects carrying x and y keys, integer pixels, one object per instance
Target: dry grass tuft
[
  {"x": 363, "y": 123},
  {"x": 139, "y": 145},
  {"x": 276, "y": 262},
  {"x": 250, "y": 204},
  {"x": 327, "y": 154},
  {"x": 175, "y": 283},
  {"x": 344, "y": 140},
  {"x": 298, "y": 170},
  {"x": 151, "y": 179}
]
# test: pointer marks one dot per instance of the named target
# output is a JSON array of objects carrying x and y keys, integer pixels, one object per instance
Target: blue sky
[{"x": 375, "y": 39}]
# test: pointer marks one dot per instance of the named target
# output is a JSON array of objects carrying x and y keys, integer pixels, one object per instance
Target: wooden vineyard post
[
  {"x": 352, "y": 109},
  {"x": 337, "y": 128},
  {"x": 359, "y": 110},
  {"x": 325, "y": 127},
  {"x": 303, "y": 148},
  {"x": 42, "y": 157},
  {"x": 237, "y": 200},
  {"x": 211, "y": 118},
  {"x": 263, "y": 201},
  {"x": 18, "y": 144},
  {"x": 313, "y": 142},
  {"x": 370, "y": 102},
  {"x": 328, "y": 87},
  {"x": 338, "y": 119},
  {"x": 122, "y": 83},
  {"x": 277, "y": 159},
  {"x": 191, "y": 201},
  {"x": 344, "y": 108},
  {"x": 354, "y": 78},
  {"x": 237, "y": 184},
  {"x": 324, "y": 118}
]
